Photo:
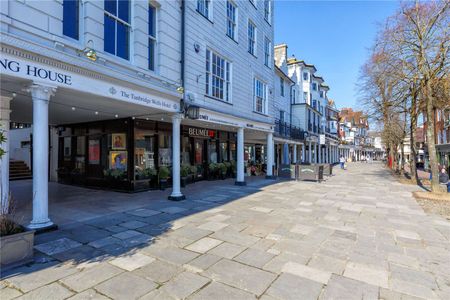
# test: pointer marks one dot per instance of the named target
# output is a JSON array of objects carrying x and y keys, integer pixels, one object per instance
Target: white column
[
  {"x": 303, "y": 152},
  {"x": 176, "y": 191},
  {"x": 294, "y": 158},
  {"x": 270, "y": 157},
  {"x": 309, "y": 153},
  {"x": 40, "y": 95},
  {"x": 240, "y": 157},
  {"x": 4, "y": 161}
]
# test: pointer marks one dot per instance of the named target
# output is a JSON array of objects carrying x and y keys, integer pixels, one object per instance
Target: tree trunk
[
  {"x": 431, "y": 140},
  {"x": 402, "y": 158},
  {"x": 412, "y": 142}
]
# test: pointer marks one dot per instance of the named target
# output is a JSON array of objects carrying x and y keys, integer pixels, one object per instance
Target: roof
[
  {"x": 283, "y": 74},
  {"x": 292, "y": 61}
]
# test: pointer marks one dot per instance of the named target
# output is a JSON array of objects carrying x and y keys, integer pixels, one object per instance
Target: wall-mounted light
[
  {"x": 197, "y": 47},
  {"x": 89, "y": 52}
]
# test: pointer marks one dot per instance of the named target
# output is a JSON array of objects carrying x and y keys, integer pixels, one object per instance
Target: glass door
[{"x": 199, "y": 159}]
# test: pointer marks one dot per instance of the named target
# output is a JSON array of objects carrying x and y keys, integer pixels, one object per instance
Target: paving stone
[
  {"x": 277, "y": 263},
  {"x": 235, "y": 237},
  {"x": 132, "y": 261},
  {"x": 340, "y": 287},
  {"x": 191, "y": 232},
  {"x": 254, "y": 257},
  {"x": 158, "y": 294},
  {"x": 89, "y": 295},
  {"x": 8, "y": 293},
  {"x": 202, "y": 262},
  {"x": 306, "y": 272},
  {"x": 413, "y": 276},
  {"x": 126, "y": 286},
  {"x": 407, "y": 234},
  {"x": 227, "y": 250},
  {"x": 52, "y": 291},
  {"x": 288, "y": 286},
  {"x": 104, "y": 242},
  {"x": 240, "y": 276},
  {"x": 158, "y": 271},
  {"x": 126, "y": 234},
  {"x": 213, "y": 226},
  {"x": 218, "y": 218},
  {"x": 143, "y": 212},
  {"x": 302, "y": 229},
  {"x": 184, "y": 285},
  {"x": 386, "y": 294},
  {"x": 261, "y": 209},
  {"x": 57, "y": 246},
  {"x": 133, "y": 224},
  {"x": 172, "y": 209},
  {"x": 217, "y": 290},
  {"x": 38, "y": 275},
  {"x": 203, "y": 245},
  {"x": 170, "y": 254},
  {"x": 90, "y": 277},
  {"x": 327, "y": 263},
  {"x": 369, "y": 274},
  {"x": 413, "y": 289}
]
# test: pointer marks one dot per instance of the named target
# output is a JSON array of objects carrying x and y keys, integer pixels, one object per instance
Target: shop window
[
  {"x": 71, "y": 10},
  {"x": 224, "y": 151},
  {"x": 212, "y": 152},
  {"x": 165, "y": 149},
  {"x": 233, "y": 151},
  {"x": 68, "y": 148},
  {"x": 185, "y": 151},
  {"x": 117, "y": 27},
  {"x": 198, "y": 157},
  {"x": 144, "y": 153},
  {"x": 80, "y": 155}
]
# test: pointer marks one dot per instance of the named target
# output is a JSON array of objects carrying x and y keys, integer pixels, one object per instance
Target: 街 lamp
[{"x": 89, "y": 52}]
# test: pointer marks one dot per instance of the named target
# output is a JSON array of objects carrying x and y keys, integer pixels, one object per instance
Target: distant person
[
  {"x": 342, "y": 162},
  {"x": 443, "y": 179}
]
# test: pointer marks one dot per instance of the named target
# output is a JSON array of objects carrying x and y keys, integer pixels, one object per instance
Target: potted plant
[
  {"x": 212, "y": 168},
  {"x": 116, "y": 178},
  {"x": 229, "y": 172},
  {"x": 222, "y": 168},
  {"x": 184, "y": 173},
  {"x": 163, "y": 175},
  {"x": 152, "y": 176},
  {"x": 233, "y": 168},
  {"x": 193, "y": 173}
]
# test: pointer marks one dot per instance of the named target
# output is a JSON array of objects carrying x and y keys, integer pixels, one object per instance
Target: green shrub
[
  {"x": 223, "y": 168},
  {"x": 185, "y": 170},
  {"x": 164, "y": 172}
]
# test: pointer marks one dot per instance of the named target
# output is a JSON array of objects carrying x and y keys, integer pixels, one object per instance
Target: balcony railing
[{"x": 286, "y": 130}]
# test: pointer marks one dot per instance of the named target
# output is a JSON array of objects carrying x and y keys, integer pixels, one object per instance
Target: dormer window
[
  {"x": 314, "y": 86},
  {"x": 305, "y": 76}
]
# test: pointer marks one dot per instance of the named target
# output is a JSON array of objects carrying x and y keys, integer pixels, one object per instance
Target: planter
[
  {"x": 163, "y": 184},
  {"x": 16, "y": 249}
]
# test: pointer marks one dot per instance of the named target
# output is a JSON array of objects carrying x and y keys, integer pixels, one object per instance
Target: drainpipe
[{"x": 183, "y": 47}]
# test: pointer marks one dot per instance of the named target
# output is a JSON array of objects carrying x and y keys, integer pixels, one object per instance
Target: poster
[
  {"x": 119, "y": 141},
  {"x": 94, "y": 152},
  {"x": 118, "y": 160}
]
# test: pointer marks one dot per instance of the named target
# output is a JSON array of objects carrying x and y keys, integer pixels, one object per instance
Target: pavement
[{"x": 357, "y": 235}]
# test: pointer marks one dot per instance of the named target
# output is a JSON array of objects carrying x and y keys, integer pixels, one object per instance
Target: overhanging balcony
[{"x": 286, "y": 130}]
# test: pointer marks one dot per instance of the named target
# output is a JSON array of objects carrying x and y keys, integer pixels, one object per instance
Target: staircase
[{"x": 19, "y": 170}]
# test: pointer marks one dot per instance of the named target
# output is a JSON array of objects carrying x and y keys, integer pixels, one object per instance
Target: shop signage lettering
[
  {"x": 38, "y": 72},
  {"x": 201, "y": 132},
  {"x": 144, "y": 99}
]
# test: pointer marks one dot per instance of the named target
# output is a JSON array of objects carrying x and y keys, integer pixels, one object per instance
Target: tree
[{"x": 414, "y": 49}]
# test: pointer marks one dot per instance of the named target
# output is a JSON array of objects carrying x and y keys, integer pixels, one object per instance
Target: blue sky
[{"x": 335, "y": 36}]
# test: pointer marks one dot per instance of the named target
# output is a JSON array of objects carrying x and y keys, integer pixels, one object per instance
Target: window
[
  {"x": 315, "y": 86},
  {"x": 203, "y": 7},
  {"x": 305, "y": 76},
  {"x": 293, "y": 96},
  {"x": 305, "y": 96},
  {"x": 281, "y": 87},
  {"x": 267, "y": 11},
  {"x": 251, "y": 37},
  {"x": 267, "y": 52},
  {"x": 321, "y": 94},
  {"x": 218, "y": 76},
  {"x": 71, "y": 10},
  {"x": 231, "y": 20},
  {"x": 151, "y": 37},
  {"x": 260, "y": 96},
  {"x": 117, "y": 27}
]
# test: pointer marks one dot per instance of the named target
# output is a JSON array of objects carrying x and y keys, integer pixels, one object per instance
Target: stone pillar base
[
  {"x": 177, "y": 198},
  {"x": 43, "y": 229}
]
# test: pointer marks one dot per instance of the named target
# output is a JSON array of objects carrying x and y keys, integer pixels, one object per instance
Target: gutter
[{"x": 183, "y": 49}]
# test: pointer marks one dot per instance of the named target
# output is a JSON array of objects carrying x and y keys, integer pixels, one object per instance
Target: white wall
[
  {"x": 40, "y": 22},
  {"x": 212, "y": 34},
  {"x": 16, "y": 151}
]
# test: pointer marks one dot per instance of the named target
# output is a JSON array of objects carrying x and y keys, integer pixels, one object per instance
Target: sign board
[
  {"x": 42, "y": 73},
  {"x": 201, "y": 132}
]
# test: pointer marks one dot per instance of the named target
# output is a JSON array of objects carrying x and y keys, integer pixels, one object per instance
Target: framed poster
[
  {"x": 94, "y": 152},
  {"x": 119, "y": 141},
  {"x": 118, "y": 160}
]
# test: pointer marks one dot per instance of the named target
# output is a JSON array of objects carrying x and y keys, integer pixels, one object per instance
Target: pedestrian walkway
[{"x": 358, "y": 235}]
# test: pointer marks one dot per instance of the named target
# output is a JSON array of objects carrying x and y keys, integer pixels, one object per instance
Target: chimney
[{"x": 280, "y": 54}]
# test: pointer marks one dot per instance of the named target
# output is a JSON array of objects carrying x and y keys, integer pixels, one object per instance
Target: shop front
[{"x": 133, "y": 155}]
